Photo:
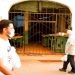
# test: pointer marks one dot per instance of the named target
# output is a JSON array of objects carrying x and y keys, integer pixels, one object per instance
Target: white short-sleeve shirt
[
  {"x": 70, "y": 43},
  {"x": 4, "y": 53}
]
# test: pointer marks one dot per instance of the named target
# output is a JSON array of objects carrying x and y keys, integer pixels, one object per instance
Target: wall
[
  {"x": 5, "y": 5},
  {"x": 33, "y": 6},
  {"x": 26, "y": 6}
]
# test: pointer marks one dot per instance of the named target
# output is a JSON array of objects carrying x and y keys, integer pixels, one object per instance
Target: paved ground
[{"x": 33, "y": 66}]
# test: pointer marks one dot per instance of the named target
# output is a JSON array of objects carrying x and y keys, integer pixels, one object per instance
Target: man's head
[{"x": 6, "y": 28}]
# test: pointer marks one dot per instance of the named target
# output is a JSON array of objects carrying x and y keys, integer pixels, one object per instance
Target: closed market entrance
[{"x": 37, "y": 25}]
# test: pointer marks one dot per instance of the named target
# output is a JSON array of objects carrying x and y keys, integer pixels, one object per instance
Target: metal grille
[
  {"x": 40, "y": 25},
  {"x": 18, "y": 40}
]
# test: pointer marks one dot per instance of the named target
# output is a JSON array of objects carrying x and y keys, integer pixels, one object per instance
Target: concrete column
[{"x": 26, "y": 27}]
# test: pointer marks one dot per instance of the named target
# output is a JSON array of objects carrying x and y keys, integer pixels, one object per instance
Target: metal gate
[
  {"x": 18, "y": 40},
  {"x": 40, "y": 26}
]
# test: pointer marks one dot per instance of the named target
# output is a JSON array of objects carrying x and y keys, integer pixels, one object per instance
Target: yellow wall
[{"x": 33, "y": 5}]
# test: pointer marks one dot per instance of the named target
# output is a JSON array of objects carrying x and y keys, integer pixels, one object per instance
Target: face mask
[{"x": 12, "y": 33}]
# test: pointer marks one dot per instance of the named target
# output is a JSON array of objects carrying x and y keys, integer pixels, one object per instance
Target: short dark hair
[{"x": 4, "y": 24}]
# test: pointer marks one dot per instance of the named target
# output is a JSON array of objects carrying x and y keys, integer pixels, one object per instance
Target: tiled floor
[{"x": 35, "y": 49}]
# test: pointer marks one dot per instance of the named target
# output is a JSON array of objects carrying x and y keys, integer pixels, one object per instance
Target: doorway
[{"x": 44, "y": 19}]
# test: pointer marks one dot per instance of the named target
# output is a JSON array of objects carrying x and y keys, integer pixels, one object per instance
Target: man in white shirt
[
  {"x": 70, "y": 52},
  {"x": 7, "y": 53}
]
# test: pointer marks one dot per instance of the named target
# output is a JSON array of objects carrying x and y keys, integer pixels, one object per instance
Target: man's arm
[
  {"x": 69, "y": 49},
  {"x": 4, "y": 69}
]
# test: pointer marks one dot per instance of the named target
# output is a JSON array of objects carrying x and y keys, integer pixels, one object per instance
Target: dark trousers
[{"x": 70, "y": 59}]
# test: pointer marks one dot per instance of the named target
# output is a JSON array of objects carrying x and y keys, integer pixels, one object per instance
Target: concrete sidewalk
[{"x": 41, "y": 65}]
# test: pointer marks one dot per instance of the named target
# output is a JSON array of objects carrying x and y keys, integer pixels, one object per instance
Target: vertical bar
[{"x": 56, "y": 24}]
